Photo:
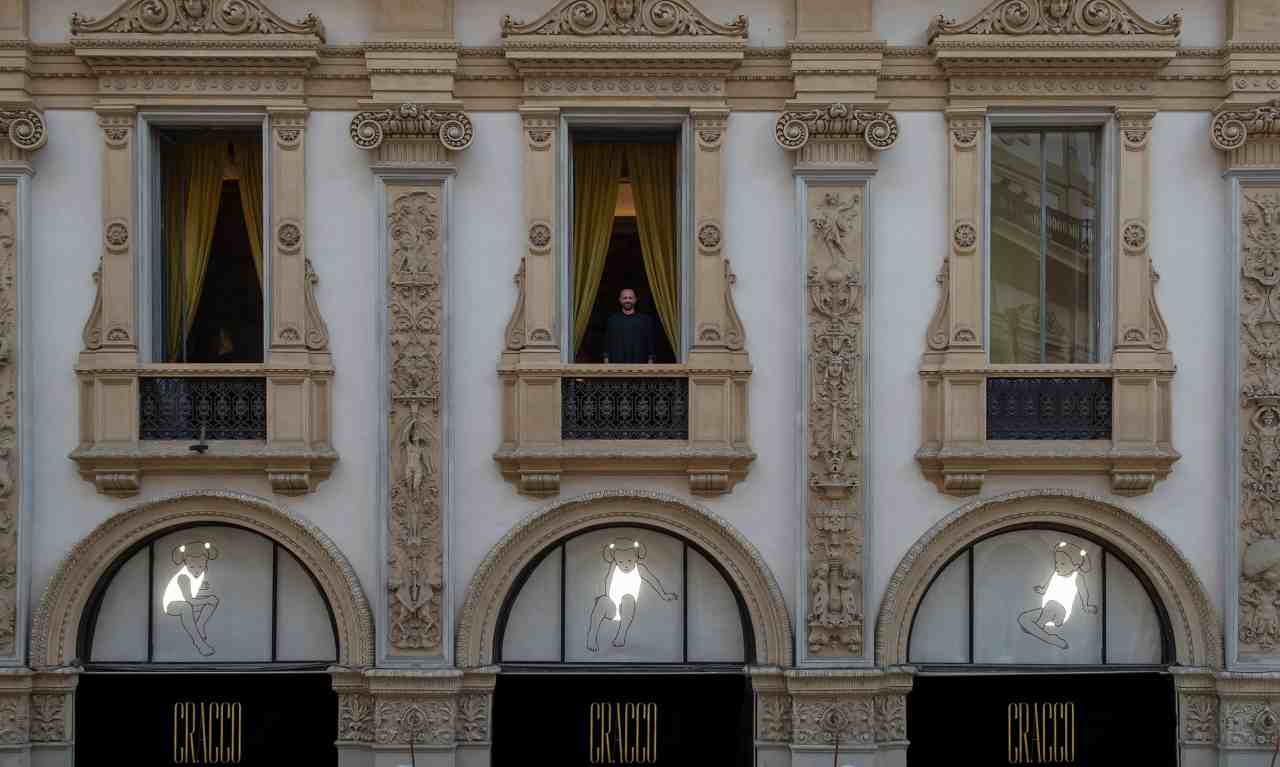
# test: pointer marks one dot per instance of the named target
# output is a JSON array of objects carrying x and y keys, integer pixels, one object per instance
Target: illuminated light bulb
[
  {"x": 1062, "y": 544},
  {"x": 206, "y": 544},
  {"x": 183, "y": 548},
  {"x": 611, "y": 545},
  {"x": 637, "y": 543},
  {"x": 1083, "y": 553},
  {"x": 1050, "y": 624}
]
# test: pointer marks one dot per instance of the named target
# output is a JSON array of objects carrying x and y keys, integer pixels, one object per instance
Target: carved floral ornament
[
  {"x": 836, "y": 121},
  {"x": 625, "y": 17},
  {"x": 453, "y": 129},
  {"x": 1231, "y": 128},
  {"x": 1056, "y": 17},
  {"x": 228, "y": 17}
]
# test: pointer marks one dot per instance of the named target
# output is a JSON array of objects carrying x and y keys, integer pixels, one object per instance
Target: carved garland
[
  {"x": 1056, "y": 17},
  {"x": 1231, "y": 128},
  {"x": 228, "y": 17},
  {"x": 624, "y": 17},
  {"x": 415, "y": 313},
  {"x": 453, "y": 129},
  {"x": 878, "y": 129},
  {"x": 1259, "y": 630},
  {"x": 834, "y": 615}
]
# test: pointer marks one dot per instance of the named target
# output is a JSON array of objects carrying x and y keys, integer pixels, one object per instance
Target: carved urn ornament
[
  {"x": 228, "y": 17},
  {"x": 1056, "y": 17},
  {"x": 625, "y": 17}
]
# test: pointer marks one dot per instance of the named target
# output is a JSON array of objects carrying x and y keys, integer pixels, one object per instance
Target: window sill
[
  {"x": 535, "y": 452},
  {"x": 296, "y": 456},
  {"x": 956, "y": 455}
]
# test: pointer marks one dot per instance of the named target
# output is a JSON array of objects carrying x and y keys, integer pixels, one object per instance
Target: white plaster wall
[
  {"x": 64, "y": 252},
  {"x": 906, "y": 22}
]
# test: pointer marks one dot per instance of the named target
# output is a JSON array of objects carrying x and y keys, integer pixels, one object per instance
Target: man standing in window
[{"x": 629, "y": 333}]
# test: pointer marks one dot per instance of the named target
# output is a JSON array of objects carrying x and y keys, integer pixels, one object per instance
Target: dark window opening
[
  {"x": 624, "y": 235},
  {"x": 210, "y": 251}
]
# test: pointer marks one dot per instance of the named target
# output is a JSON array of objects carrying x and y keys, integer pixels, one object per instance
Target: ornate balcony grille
[
  {"x": 225, "y": 408},
  {"x": 624, "y": 408},
  {"x": 1048, "y": 408},
  {"x": 1065, "y": 230}
]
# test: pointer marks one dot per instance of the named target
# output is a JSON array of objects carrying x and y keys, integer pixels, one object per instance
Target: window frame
[
  {"x": 1168, "y": 655},
  {"x": 1109, "y": 167},
  {"x": 148, "y": 277},
  {"x": 620, "y": 120}
]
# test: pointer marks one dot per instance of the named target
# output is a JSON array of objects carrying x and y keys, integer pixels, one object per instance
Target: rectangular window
[
  {"x": 1044, "y": 247},
  {"x": 209, "y": 260},
  {"x": 624, "y": 256}
]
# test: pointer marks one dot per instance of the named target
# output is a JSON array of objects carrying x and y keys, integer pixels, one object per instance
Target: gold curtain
[
  {"x": 249, "y": 158},
  {"x": 596, "y": 171},
  {"x": 189, "y": 235},
  {"x": 653, "y": 181}
]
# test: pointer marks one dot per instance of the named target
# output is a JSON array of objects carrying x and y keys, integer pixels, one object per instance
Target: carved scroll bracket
[
  {"x": 1251, "y": 134},
  {"x": 837, "y": 122},
  {"x": 416, "y": 122}
]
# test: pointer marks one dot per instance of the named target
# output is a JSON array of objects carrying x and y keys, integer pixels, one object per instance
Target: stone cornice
[
  {"x": 1232, "y": 127},
  {"x": 453, "y": 129},
  {"x": 624, "y": 18},
  {"x": 1056, "y": 17},
  {"x": 836, "y": 121},
  {"x": 243, "y": 17}
]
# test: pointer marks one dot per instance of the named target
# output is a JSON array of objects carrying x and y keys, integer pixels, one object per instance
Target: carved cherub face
[
  {"x": 625, "y": 554},
  {"x": 625, "y": 9},
  {"x": 1058, "y": 8},
  {"x": 194, "y": 8}
]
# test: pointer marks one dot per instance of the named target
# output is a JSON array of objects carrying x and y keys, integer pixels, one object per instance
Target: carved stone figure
[
  {"x": 415, "y": 315},
  {"x": 835, "y": 423},
  {"x": 1259, "y": 592}
]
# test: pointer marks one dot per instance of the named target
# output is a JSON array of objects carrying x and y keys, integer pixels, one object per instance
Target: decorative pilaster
[
  {"x": 835, "y": 147},
  {"x": 412, "y": 146}
]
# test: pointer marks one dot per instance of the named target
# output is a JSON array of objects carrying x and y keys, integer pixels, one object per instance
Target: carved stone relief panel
[
  {"x": 834, "y": 271},
  {"x": 239, "y": 17},
  {"x": 415, "y": 320},
  {"x": 9, "y": 455},
  {"x": 625, "y": 17},
  {"x": 1259, "y": 422}
]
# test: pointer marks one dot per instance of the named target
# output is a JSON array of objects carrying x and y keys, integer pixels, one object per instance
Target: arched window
[
  {"x": 1039, "y": 596},
  {"x": 209, "y": 594},
  {"x": 623, "y": 595}
]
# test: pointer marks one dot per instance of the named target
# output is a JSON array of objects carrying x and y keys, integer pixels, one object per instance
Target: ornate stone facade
[
  {"x": 836, "y": 370},
  {"x": 415, "y": 322},
  {"x": 624, "y": 17},
  {"x": 1259, "y": 622},
  {"x": 1056, "y": 17},
  {"x": 228, "y": 17}
]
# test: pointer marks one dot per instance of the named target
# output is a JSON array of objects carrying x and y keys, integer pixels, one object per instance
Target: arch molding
[
  {"x": 1193, "y": 621},
  {"x": 57, "y": 621},
  {"x": 497, "y": 575}
]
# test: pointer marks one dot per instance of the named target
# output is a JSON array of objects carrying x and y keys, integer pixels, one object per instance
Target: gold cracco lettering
[
  {"x": 208, "y": 732},
  {"x": 1041, "y": 733},
  {"x": 622, "y": 733}
]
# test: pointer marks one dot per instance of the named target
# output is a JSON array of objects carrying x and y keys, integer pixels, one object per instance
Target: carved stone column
[
  {"x": 411, "y": 147},
  {"x": 835, "y": 146}
]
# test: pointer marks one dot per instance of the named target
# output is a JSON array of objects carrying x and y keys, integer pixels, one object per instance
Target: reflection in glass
[{"x": 1044, "y": 199}]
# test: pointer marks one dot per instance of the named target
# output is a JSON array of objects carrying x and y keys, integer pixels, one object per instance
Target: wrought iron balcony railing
[
  {"x": 624, "y": 408},
  {"x": 185, "y": 408},
  {"x": 1061, "y": 228},
  {"x": 1048, "y": 408}
]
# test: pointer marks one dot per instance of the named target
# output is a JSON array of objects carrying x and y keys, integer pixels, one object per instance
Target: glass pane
[
  {"x": 623, "y": 599},
  {"x": 121, "y": 632},
  {"x": 1133, "y": 630},
  {"x": 1036, "y": 595},
  {"x": 940, "y": 633},
  {"x": 1071, "y": 216},
  {"x": 212, "y": 592},
  {"x": 1015, "y": 246},
  {"x": 715, "y": 625},
  {"x": 303, "y": 629},
  {"x": 533, "y": 625}
]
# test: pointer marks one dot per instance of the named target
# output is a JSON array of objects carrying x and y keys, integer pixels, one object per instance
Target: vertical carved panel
[
  {"x": 415, "y": 317},
  {"x": 964, "y": 266},
  {"x": 1259, "y": 424},
  {"x": 9, "y": 456},
  {"x": 116, "y": 278},
  {"x": 834, "y": 268}
]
